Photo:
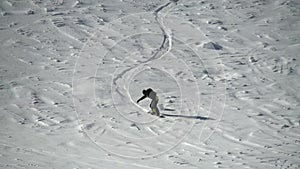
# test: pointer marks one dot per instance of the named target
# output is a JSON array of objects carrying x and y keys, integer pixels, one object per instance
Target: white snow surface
[{"x": 226, "y": 73}]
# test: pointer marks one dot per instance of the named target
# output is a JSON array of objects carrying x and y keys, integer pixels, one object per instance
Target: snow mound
[{"x": 212, "y": 45}]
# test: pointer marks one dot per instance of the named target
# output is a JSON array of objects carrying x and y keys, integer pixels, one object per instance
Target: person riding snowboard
[{"x": 152, "y": 95}]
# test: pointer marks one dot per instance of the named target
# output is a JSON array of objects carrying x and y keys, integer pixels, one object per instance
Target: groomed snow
[{"x": 226, "y": 73}]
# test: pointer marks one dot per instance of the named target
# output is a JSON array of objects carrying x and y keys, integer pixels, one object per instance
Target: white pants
[{"x": 154, "y": 107}]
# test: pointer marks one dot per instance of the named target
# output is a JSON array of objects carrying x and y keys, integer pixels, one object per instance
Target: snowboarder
[{"x": 152, "y": 95}]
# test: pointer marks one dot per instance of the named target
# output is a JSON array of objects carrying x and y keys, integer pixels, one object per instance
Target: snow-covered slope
[{"x": 226, "y": 73}]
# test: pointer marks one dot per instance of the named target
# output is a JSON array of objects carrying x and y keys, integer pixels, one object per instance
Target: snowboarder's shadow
[
  {"x": 188, "y": 117},
  {"x": 185, "y": 116}
]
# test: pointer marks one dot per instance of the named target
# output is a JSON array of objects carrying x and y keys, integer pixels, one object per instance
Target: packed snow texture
[{"x": 226, "y": 73}]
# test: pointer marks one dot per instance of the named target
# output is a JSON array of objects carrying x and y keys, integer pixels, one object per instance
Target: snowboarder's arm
[{"x": 142, "y": 98}]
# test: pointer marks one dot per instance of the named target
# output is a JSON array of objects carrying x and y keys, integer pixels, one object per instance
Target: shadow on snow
[{"x": 188, "y": 117}]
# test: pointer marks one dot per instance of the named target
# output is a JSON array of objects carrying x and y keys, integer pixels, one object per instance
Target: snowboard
[{"x": 160, "y": 116}]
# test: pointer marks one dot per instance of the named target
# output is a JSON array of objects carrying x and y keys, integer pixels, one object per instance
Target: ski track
[
  {"x": 260, "y": 126},
  {"x": 165, "y": 36}
]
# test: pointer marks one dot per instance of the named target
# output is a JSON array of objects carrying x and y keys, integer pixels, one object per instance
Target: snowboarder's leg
[{"x": 154, "y": 107}]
